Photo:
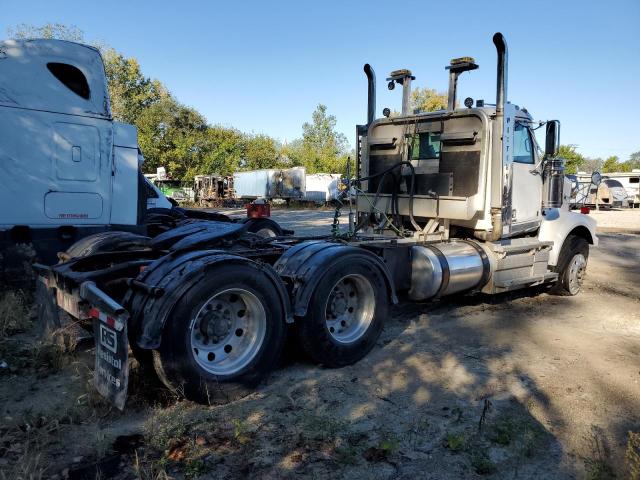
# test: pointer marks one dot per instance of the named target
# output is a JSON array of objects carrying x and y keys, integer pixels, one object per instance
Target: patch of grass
[
  {"x": 503, "y": 432},
  {"x": 598, "y": 469},
  {"x": 633, "y": 455},
  {"x": 347, "y": 453},
  {"x": 456, "y": 442},
  {"x": 240, "y": 431},
  {"x": 147, "y": 469},
  {"x": 482, "y": 464},
  {"x": 195, "y": 468},
  {"x": 389, "y": 443},
  {"x": 13, "y": 313},
  {"x": 166, "y": 427}
]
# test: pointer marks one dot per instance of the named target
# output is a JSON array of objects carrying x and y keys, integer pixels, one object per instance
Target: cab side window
[
  {"x": 522, "y": 145},
  {"x": 71, "y": 77}
]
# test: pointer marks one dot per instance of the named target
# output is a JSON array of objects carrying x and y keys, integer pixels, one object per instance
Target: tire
[
  {"x": 572, "y": 266},
  {"x": 346, "y": 314},
  {"x": 264, "y": 227},
  {"x": 198, "y": 360},
  {"x": 106, "y": 242}
]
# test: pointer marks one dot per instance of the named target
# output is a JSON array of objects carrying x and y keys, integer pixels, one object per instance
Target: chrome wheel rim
[
  {"x": 350, "y": 308},
  {"x": 228, "y": 331},
  {"x": 577, "y": 270}
]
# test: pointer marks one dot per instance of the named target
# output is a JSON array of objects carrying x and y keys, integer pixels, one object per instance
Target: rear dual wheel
[
  {"x": 346, "y": 314},
  {"x": 224, "y": 335}
]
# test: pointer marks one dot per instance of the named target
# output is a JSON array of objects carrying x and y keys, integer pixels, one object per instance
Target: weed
[
  {"x": 482, "y": 464},
  {"x": 346, "y": 453},
  {"x": 389, "y": 443},
  {"x": 597, "y": 467},
  {"x": 240, "y": 429},
  {"x": 146, "y": 469},
  {"x": 633, "y": 455},
  {"x": 195, "y": 468},
  {"x": 456, "y": 442},
  {"x": 503, "y": 432},
  {"x": 166, "y": 426},
  {"x": 13, "y": 313}
]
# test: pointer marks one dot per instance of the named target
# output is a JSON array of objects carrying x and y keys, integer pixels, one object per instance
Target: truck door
[{"x": 527, "y": 184}]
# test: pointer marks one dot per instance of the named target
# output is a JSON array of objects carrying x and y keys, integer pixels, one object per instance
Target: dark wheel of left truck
[
  {"x": 223, "y": 336},
  {"x": 265, "y": 227}
]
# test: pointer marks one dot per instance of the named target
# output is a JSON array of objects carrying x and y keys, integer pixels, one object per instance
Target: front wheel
[
  {"x": 224, "y": 335},
  {"x": 572, "y": 265},
  {"x": 346, "y": 314}
]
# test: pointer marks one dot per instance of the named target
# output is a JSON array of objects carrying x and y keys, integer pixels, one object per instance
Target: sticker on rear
[{"x": 111, "y": 375}]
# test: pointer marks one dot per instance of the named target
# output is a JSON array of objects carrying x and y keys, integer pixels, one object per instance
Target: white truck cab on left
[{"x": 67, "y": 169}]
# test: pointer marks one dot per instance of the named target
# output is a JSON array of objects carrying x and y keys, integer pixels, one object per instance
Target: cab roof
[{"x": 53, "y": 75}]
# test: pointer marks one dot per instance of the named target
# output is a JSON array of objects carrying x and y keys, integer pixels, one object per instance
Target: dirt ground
[{"x": 525, "y": 385}]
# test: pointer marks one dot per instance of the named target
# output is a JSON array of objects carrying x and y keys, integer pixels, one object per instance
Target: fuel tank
[{"x": 445, "y": 268}]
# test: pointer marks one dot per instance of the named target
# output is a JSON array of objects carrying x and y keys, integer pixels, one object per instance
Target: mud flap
[
  {"x": 111, "y": 375},
  {"x": 45, "y": 299}
]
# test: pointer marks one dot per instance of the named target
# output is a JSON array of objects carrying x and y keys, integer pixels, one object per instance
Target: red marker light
[{"x": 585, "y": 210}]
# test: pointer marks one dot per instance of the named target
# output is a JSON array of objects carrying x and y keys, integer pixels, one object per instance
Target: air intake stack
[
  {"x": 456, "y": 67},
  {"x": 403, "y": 77}
]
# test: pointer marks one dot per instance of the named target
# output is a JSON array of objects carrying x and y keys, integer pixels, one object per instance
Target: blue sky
[{"x": 263, "y": 66}]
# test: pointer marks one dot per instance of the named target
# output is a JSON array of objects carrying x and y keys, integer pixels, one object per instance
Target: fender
[
  {"x": 302, "y": 267},
  {"x": 558, "y": 223},
  {"x": 176, "y": 273}
]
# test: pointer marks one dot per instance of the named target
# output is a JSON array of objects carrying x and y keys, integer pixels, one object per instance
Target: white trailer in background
[
  {"x": 322, "y": 187},
  {"x": 288, "y": 183}
]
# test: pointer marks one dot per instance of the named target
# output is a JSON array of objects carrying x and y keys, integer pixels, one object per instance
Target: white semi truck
[
  {"x": 458, "y": 200},
  {"x": 67, "y": 169}
]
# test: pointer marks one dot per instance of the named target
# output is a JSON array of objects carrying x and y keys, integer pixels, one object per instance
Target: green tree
[
  {"x": 592, "y": 165},
  {"x": 173, "y": 136},
  {"x": 323, "y": 149},
  {"x": 48, "y": 30},
  {"x": 428, "y": 100},
  {"x": 130, "y": 91},
  {"x": 573, "y": 159},
  {"x": 611, "y": 164},
  {"x": 260, "y": 151}
]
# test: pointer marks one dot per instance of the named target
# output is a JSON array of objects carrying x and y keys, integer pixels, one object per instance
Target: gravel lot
[{"x": 525, "y": 385}]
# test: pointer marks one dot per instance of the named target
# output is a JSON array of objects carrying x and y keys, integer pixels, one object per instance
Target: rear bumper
[{"x": 88, "y": 302}]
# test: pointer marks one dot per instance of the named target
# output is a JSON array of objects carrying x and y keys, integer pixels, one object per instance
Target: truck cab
[
  {"x": 472, "y": 172},
  {"x": 67, "y": 169}
]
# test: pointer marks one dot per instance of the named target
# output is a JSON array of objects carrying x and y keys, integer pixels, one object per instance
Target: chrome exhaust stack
[{"x": 500, "y": 193}]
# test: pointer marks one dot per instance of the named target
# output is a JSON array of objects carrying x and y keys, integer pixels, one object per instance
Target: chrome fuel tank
[{"x": 446, "y": 268}]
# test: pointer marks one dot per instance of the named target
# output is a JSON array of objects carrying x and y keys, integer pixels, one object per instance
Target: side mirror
[
  {"x": 552, "y": 142},
  {"x": 596, "y": 178}
]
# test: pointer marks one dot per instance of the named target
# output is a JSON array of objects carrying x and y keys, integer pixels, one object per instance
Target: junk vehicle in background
[
  {"x": 448, "y": 202},
  {"x": 630, "y": 181},
  {"x": 68, "y": 169},
  {"x": 212, "y": 190},
  {"x": 598, "y": 191},
  {"x": 288, "y": 184}
]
